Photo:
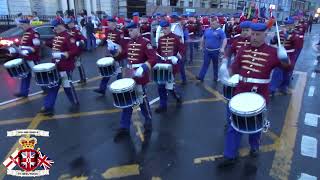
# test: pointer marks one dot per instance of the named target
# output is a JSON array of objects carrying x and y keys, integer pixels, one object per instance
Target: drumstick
[{"x": 160, "y": 56}]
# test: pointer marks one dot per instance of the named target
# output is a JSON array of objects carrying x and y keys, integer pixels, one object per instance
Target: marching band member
[
  {"x": 192, "y": 29},
  {"x": 80, "y": 42},
  {"x": 254, "y": 64},
  {"x": 141, "y": 58},
  {"x": 29, "y": 51},
  {"x": 64, "y": 51},
  {"x": 214, "y": 42},
  {"x": 171, "y": 48},
  {"x": 145, "y": 27},
  {"x": 281, "y": 78},
  {"x": 113, "y": 36}
]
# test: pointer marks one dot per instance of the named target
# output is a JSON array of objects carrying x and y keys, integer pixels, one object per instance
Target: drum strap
[
  {"x": 208, "y": 49},
  {"x": 146, "y": 33},
  {"x": 254, "y": 80}
]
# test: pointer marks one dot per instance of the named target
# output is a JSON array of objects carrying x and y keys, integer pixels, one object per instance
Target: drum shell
[
  {"x": 248, "y": 124},
  {"x": 20, "y": 70},
  {"x": 107, "y": 71},
  {"x": 47, "y": 78},
  {"x": 228, "y": 92},
  {"x": 162, "y": 74},
  {"x": 125, "y": 97}
]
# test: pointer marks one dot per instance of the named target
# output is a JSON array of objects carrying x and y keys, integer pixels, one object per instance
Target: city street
[{"x": 187, "y": 142}]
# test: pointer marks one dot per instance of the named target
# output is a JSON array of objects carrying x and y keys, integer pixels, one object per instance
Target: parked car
[{"x": 13, "y": 36}]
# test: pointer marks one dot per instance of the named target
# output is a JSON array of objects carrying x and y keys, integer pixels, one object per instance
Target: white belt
[
  {"x": 254, "y": 80},
  {"x": 146, "y": 33},
  {"x": 290, "y": 50},
  {"x": 126, "y": 38},
  {"x": 134, "y": 65},
  {"x": 212, "y": 49}
]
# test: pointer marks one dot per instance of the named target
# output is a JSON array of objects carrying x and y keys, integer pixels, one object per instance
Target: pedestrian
[
  {"x": 91, "y": 39},
  {"x": 310, "y": 22}
]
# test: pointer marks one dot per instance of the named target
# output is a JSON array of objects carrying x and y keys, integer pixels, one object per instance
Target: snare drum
[
  {"x": 124, "y": 93},
  {"x": 46, "y": 74},
  {"x": 229, "y": 86},
  {"x": 162, "y": 73},
  {"x": 248, "y": 112},
  {"x": 106, "y": 66},
  {"x": 17, "y": 68}
]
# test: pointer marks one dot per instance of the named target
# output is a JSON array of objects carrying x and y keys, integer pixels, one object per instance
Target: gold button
[
  {"x": 131, "y": 56},
  {"x": 253, "y": 60},
  {"x": 256, "y": 50},
  {"x": 251, "y": 65},
  {"x": 248, "y": 72},
  {"x": 254, "y": 55},
  {"x": 132, "y": 46}
]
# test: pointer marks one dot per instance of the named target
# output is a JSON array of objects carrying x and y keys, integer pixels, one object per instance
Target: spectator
[
  {"x": 34, "y": 17},
  {"x": 95, "y": 20},
  {"x": 91, "y": 39},
  {"x": 310, "y": 21}
]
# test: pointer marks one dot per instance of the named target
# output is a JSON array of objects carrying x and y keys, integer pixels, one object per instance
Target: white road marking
[
  {"x": 307, "y": 177},
  {"x": 313, "y": 75},
  {"x": 17, "y": 99},
  {"x": 309, "y": 146},
  {"x": 311, "y": 119},
  {"x": 311, "y": 90}
]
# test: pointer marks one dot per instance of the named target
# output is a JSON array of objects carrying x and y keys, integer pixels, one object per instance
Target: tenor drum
[
  {"x": 17, "y": 68},
  {"x": 106, "y": 66},
  {"x": 162, "y": 73},
  {"x": 175, "y": 29},
  {"x": 46, "y": 74},
  {"x": 229, "y": 86},
  {"x": 124, "y": 93},
  {"x": 248, "y": 112}
]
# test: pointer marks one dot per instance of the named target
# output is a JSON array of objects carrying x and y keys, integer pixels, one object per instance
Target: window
[
  {"x": 203, "y": 4},
  {"x": 190, "y": 3},
  {"x": 45, "y": 30},
  {"x": 159, "y": 2},
  {"x": 181, "y": 3},
  {"x": 173, "y": 2}
]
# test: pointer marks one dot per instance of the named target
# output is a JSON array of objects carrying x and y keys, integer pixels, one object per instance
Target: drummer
[
  {"x": 141, "y": 58},
  {"x": 171, "y": 48},
  {"x": 254, "y": 64},
  {"x": 80, "y": 42},
  {"x": 29, "y": 51},
  {"x": 64, "y": 51},
  {"x": 113, "y": 36}
]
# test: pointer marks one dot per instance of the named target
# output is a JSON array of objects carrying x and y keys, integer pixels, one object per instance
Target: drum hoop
[
  {"x": 248, "y": 113},
  {"x": 131, "y": 87},
  {"x": 245, "y": 132},
  {"x": 43, "y": 70},
  {"x": 19, "y": 62},
  {"x": 105, "y": 65}
]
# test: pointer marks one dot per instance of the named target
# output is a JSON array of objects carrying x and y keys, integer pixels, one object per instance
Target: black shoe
[
  {"x": 46, "y": 112},
  {"x": 160, "y": 109},
  {"x": 121, "y": 134},
  {"x": 184, "y": 82},
  {"x": 254, "y": 153},
  {"x": 178, "y": 100},
  {"x": 82, "y": 81},
  {"x": 99, "y": 91},
  {"x": 21, "y": 95},
  {"x": 198, "y": 78},
  {"x": 147, "y": 129},
  {"x": 227, "y": 162},
  {"x": 272, "y": 94}
]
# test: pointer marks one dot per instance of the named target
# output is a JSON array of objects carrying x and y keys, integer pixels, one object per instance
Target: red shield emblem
[{"x": 28, "y": 159}]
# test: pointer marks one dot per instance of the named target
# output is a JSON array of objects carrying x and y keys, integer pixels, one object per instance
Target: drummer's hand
[
  {"x": 56, "y": 60},
  {"x": 173, "y": 59},
  {"x": 139, "y": 72},
  {"x": 221, "y": 50},
  {"x": 65, "y": 55},
  {"x": 12, "y": 50},
  {"x": 24, "y": 52}
]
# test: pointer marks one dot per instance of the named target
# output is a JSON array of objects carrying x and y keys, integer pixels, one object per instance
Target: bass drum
[{"x": 175, "y": 29}]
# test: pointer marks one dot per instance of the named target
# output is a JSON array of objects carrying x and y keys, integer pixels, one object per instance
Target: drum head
[
  {"x": 232, "y": 81},
  {"x": 44, "y": 67},
  {"x": 13, "y": 63},
  {"x": 177, "y": 30},
  {"x": 248, "y": 103},
  {"x": 122, "y": 84},
  {"x": 106, "y": 61}
]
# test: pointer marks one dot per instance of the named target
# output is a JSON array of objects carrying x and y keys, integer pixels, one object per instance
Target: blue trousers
[
  {"x": 233, "y": 139},
  {"x": 182, "y": 70},
  {"x": 210, "y": 56},
  {"x": 280, "y": 80},
  {"x": 192, "y": 45},
  {"x": 50, "y": 99},
  {"x": 127, "y": 113},
  {"x": 228, "y": 113},
  {"x": 104, "y": 82},
  {"x": 163, "y": 94},
  {"x": 91, "y": 42},
  {"x": 25, "y": 85}
]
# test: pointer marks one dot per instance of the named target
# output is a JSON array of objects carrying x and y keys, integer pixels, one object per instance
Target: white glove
[
  {"x": 78, "y": 43},
  {"x": 173, "y": 59},
  {"x": 111, "y": 45},
  {"x": 282, "y": 54},
  {"x": 57, "y": 60},
  {"x": 57, "y": 55},
  {"x": 139, "y": 72},
  {"x": 12, "y": 50},
  {"x": 24, "y": 52},
  {"x": 223, "y": 71}
]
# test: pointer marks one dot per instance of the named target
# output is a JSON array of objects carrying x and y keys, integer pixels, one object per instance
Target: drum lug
[
  {"x": 266, "y": 126},
  {"x": 254, "y": 89}
]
